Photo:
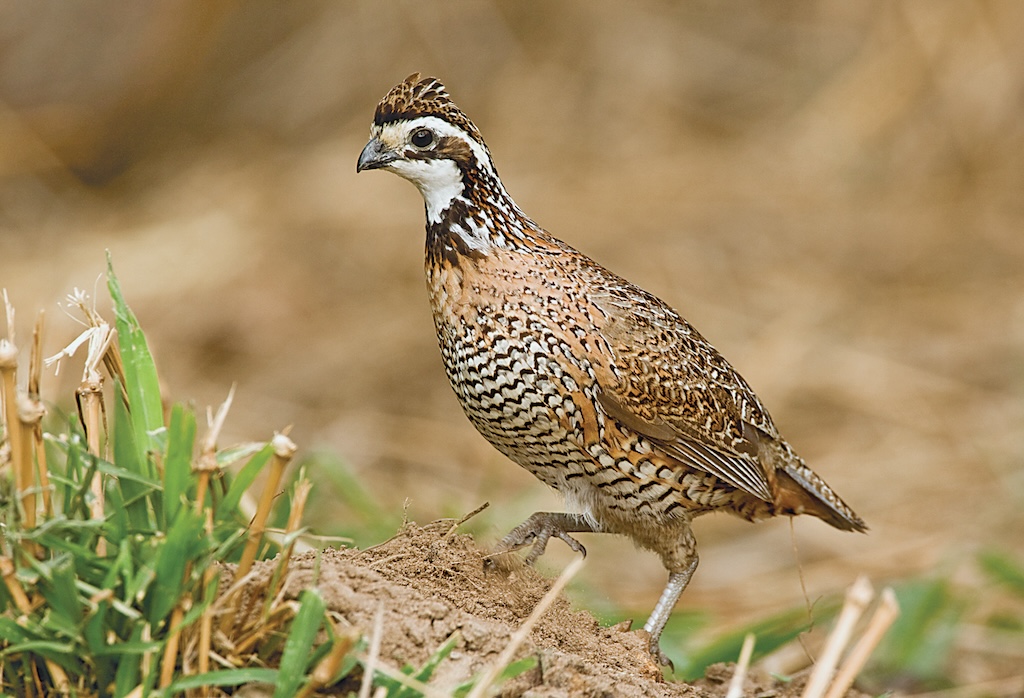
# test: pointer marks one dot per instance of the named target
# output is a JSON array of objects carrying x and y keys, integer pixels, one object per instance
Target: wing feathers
[{"x": 737, "y": 469}]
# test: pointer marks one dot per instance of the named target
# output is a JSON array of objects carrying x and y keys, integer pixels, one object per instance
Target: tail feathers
[{"x": 800, "y": 490}]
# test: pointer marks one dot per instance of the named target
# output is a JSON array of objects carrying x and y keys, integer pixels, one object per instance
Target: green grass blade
[
  {"x": 126, "y": 456},
  {"x": 183, "y": 544},
  {"x": 427, "y": 670},
  {"x": 366, "y": 521},
  {"x": 228, "y": 506},
  {"x": 10, "y": 631},
  {"x": 127, "y": 676},
  {"x": 1003, "y": 569},
  {"x": 57, "y": 585},
  {"x": 300, "y": 644},
  {"x": 230, "y": 677},
  {"x": 141, "y": 382},
  {"x": 181, "y": 438},
  {"x": 918, "y": 645},
  {"x": 516, "y": 668}
]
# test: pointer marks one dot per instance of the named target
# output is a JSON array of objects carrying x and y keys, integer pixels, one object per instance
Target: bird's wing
[{"x": 665, "y": 381}]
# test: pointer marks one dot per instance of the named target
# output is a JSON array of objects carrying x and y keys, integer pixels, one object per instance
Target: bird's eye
[{"x": 422, "y": 138}]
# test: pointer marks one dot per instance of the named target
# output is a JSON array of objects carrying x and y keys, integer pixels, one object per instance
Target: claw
[
  {"x": 659, "y": 656},
  {"x": 538, "y": 530}
]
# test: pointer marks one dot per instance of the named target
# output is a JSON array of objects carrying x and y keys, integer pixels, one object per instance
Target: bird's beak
[{"x": 375, "y": 155}]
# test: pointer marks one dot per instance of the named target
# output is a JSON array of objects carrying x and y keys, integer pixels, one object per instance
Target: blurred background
[{"x": 832, "y": 192}]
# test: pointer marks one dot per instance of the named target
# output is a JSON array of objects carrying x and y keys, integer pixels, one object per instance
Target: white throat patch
[{"x": 439, "y": 181}]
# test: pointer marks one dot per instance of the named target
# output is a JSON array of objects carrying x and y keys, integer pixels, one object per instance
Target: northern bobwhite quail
[{"x": 592, "y": 384}]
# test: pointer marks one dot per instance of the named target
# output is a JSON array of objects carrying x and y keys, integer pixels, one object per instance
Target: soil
[{"x": 431, "y": 582}]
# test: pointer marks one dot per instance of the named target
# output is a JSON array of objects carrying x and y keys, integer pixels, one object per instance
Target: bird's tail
[{"x": 800, "y": 490}]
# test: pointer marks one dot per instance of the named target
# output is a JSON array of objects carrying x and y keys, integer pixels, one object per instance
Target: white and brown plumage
[{"x": 594, "y": 385}]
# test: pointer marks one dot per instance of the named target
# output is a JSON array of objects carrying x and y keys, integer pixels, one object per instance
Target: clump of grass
[
  {"x": 116, "y": 527},
  {"x": 127, "y": 568}
]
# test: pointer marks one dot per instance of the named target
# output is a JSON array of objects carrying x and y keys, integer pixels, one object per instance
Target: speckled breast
[{"x": 514, "y": 380}]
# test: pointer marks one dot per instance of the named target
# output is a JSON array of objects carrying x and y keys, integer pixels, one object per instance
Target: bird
[{"x": 595, "y": 386}]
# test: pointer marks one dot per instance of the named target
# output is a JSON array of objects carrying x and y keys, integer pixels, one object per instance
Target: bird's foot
[
  {"x": 659, "y": 656},
  {"x": 537, "y": 531}
]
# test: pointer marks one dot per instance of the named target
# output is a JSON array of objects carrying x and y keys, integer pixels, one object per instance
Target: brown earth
[{"x": 430, "y": 581}]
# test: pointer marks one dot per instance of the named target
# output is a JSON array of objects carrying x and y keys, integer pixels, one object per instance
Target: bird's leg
[
  {"x": 681, "y": 562},
  {"x": 538, "y": 529}
]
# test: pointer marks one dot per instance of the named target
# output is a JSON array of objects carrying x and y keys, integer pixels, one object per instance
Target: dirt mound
[{"x": 430, "y": 582}]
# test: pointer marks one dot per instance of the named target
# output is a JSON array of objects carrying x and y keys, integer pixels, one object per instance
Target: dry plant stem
[
  {"x": 742, "y": 665},
  {"x": 327, "y": 667},
  {"x": 35, "y": 372},
  {"x": 202, "y": 485},
  {"x": 521, "y": 634},
  {"x": 90, "y": 402},
  {"x": 29, "y": 418},
  {"x": 23, "y": 480},
  {"x": 44, "y": 471},
  {"x": 284, "y": 449},
  {"x": 147, "y": 656},
  {"x": 371, "y": 659},
  {"x": 858, "y": 596},
  {"x": 18, "y": 595},
  {"x": 464, "y": 519},
  {"x": 302, "y": 489},
  {"x": 279, "y": 614},
  {"x": 426, "y": 689},
  {"x": 35, "y": 358},
  {"x": 206, "y": 622},
  {"x": 883, "y": 617},
  {"x": 171, "y": 649},
  {"x": 207, "y": 463}
]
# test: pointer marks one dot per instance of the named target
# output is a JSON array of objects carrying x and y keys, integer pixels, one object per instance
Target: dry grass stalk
[
  {"x": 406, "y": 680},
  {"x": 35, "y": 371},
  {"x": 883, "y": 617},
  {"x": 23, "y": 481},
  {"x": 147, "y": 656},
  {"x": 374, "y": 653},
  {"x": 90, "y": 410},
  {"x": 302, "y": 490},
  {"x": 280, "y": 613},
  {"x": 206, "y": 621},
  {"x": 451, "y": 531},
  {"x": 170, "y": 657},
  {"x": 100, "y": 329},
  {"x": 284, "y": 449},
  {"x": 30, "y": 416},
  {"x": 101, "y": 349},
  {"x": 21, "y": 600},
  {"x": 207, "y": 462},
  {"x": 742, "y": 665},
  {"x": 523, "y": 631},
  {"x": 858, "y": 596},
  {"x": 328, "y": 667}
]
